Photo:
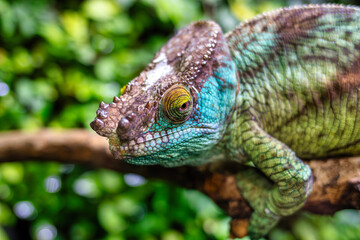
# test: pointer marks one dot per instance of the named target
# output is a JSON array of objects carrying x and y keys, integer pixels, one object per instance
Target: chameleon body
[{"x": 281, "y": 87}]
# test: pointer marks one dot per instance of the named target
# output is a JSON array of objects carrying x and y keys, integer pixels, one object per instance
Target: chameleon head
[{"x": 176, "y": 110}]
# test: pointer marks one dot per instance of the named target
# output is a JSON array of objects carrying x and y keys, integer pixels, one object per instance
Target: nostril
[{"x": 131, "y": 116}]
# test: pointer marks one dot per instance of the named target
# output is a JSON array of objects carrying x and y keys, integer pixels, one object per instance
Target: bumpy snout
[
  {"x": 107, "y": 117},
  {"x": 124, "y": 127},
  {"x": 122, "y": 119}
]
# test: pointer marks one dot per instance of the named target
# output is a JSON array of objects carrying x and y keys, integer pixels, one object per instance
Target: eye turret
[{"x": 177, "y": 104}]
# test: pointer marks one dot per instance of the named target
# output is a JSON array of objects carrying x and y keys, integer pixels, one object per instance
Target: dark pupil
[{"x": 184, "y": 106}]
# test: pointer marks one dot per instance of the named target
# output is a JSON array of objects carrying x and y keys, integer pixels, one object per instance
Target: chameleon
[{"x": 278, "y": 89}]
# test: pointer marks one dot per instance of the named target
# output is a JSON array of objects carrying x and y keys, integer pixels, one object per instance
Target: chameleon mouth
[{"x": 152, "y": 143}]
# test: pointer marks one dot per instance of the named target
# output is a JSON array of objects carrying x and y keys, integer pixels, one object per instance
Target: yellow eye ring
[{"x": 177, "y": 104}]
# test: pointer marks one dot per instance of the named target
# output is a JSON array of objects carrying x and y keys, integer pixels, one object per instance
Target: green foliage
[{"x": 58, "y": 60}]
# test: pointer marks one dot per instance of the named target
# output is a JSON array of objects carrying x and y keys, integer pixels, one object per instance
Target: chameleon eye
[{"x": 176, "y": 104}]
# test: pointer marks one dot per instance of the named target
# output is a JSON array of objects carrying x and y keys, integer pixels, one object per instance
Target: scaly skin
[
  {"x": 280, "y": 87},
  {"x": 299, "y": 77}
]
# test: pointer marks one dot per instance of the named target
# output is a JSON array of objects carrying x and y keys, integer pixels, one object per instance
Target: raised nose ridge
[
  {"x": 97, "y": 124},
  {"x": 124, "y": 123},
  {"x": 123, "y": 129}
]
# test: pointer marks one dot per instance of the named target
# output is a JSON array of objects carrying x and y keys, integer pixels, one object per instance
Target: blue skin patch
[{"x": 188, "y": 142}]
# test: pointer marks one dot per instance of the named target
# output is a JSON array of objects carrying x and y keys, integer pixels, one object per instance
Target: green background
[{"x": 58, "y": 60}]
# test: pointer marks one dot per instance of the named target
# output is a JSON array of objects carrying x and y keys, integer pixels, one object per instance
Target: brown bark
[{"x": 336, "y": 181}]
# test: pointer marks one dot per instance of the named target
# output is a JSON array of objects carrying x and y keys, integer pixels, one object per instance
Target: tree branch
[{"x": 336, "y": 181}]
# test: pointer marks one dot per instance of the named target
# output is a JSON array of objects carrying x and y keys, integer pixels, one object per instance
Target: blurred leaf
[
  {"x": 348, "y": 216},
  {"x": 53, "y": 33},
  {"x": 241, "y": 9},
  {"x": 102, "y": 44},
  {"x": 6, "y": 216},
  {"x": 85, "y": 54},
  {"x": 82, "y": 230},
  {"x": 75, "y": 25},
  {"x": 39, "y": 55},
  {"x": 23, "y": 62},
  {"x": 87, "y": 185},
  {"x": 110, "y": 220},
  {"x": 8, "y": 19},
  {"x": 117, "y": 25},
  {"x": 279, "y": 234},
  {"x": 101, "y": 10},
  {"x": 152, "y": 223},
  {"x": 110, "y": 180},
  {"x": 304, "y": 230},
  {"x": 127, "y": 206},
  {"x": 3, "y": 235},
  {"x": 5, "y": 191},
  {"x": 5, "y": 62},
  {"x": 114, "y": 237},
  {"x": 173, "y": 10},
  {"x": 12, "y": 172},
  {"x": 172, "y": 235},
  {"x": 27, "y": 23},
  {"x": 105, "y": 69}
]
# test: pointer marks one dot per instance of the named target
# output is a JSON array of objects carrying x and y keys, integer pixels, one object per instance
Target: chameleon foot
[{"x": 280, "y": 184}]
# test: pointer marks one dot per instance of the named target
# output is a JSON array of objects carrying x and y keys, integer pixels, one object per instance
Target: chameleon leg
[
  {"x": 255, "y": 187},
  {"x": 291, "y": 177}
]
